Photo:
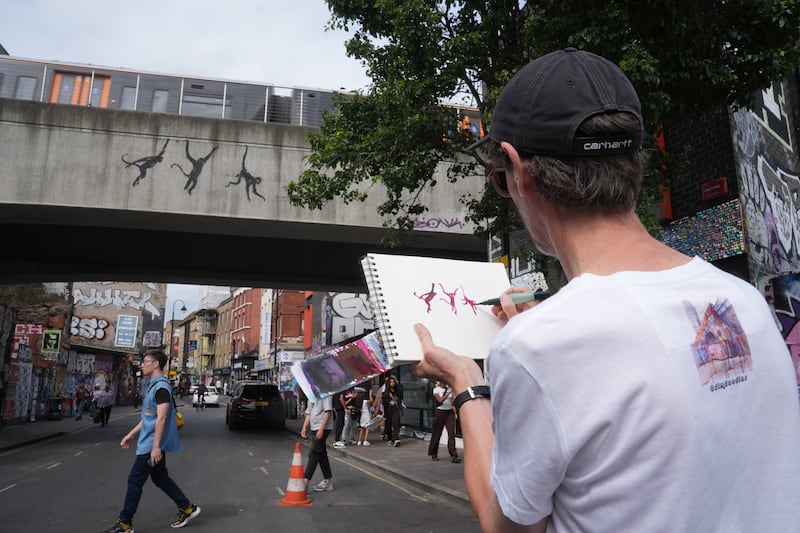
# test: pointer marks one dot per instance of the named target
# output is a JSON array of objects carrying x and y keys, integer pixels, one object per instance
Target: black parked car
[{"x": 255, "y": 403}]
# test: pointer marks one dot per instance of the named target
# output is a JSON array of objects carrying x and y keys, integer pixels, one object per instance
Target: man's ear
[{"x": 520, "y": 179}]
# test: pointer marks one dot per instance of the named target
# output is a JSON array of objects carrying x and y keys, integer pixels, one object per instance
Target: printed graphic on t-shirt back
[{"x": 720, "y": 347}]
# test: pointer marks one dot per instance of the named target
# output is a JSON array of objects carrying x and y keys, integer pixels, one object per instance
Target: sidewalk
[
  {"x": 20, "y": 435},
  {"x": 409, "y": 460}
]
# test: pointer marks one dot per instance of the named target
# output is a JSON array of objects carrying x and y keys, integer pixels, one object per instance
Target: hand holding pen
[{"x": 514, "y": 301}]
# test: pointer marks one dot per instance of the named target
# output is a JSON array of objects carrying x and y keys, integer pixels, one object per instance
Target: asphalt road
[{"x": 77, "y": 483}]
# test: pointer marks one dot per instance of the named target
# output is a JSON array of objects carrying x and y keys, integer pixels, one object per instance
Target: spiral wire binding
[{"x": 376, "y": 302}]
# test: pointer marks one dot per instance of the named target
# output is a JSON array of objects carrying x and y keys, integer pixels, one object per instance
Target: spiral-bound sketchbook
[{"x": 442, "y": 294}]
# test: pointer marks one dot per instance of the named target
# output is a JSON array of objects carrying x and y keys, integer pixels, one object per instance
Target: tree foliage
[{"x": 686, "y": 59}]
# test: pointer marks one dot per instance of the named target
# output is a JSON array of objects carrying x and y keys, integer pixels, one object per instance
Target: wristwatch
[{"x": 476, "y": 391}]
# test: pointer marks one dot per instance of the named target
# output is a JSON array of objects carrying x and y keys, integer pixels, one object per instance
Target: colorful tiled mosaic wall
[{"x": 712, "y": 234}]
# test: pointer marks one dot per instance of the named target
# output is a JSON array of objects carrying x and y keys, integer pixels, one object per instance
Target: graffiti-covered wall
[
  {"x": 783, "y": 294},
  {"x": 338, "y": 316},
  {"x": 350, "y": 315},
  {"x": 117, "y": 316},
  {"x": 765, "y": 149}
]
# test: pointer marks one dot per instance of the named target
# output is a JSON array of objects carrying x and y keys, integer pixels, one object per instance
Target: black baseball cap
[{"x": 540, "y": 109}]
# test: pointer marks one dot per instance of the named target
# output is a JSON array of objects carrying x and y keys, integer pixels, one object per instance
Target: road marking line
[
  {"x": 263, "y": 470},
  {"x": 97, "y": 444},
  {"x": 52, "y": 466},
  {"x": 379, "y": 478},
  {"x": 280, "y": 491},
  {"x": 9, "y": 487},
  {"x": 79, "y": 453},
  {"x": 250, "y": 454}
]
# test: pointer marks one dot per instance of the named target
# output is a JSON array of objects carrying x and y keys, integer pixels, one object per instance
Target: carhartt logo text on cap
[
  {"x": 588, "y": 146},
  {"x": 608, "y": 145}
]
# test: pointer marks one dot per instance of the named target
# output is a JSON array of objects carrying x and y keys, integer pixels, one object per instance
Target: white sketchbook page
[{"x": 406, "y": 282}]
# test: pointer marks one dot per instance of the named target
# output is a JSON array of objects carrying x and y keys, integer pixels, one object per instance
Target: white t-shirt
[
  {"x": 317, "y": 412},
  {"x": 447, "y": 403},
  {"x": 650, "y": 402}
]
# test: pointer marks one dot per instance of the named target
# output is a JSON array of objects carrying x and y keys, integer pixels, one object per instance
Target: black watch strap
[{"x": 476, "y": 391}]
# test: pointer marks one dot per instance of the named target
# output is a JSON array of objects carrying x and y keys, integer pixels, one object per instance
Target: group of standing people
[
  {"x": 342, "y": 413},
  {"x": 360, "y": 407},
  {"x": 101, "y": 400},
  {"x": 352, "y": 409}
]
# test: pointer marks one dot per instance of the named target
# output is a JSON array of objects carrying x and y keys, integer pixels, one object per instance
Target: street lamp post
[{"x": 172, "y": 333}]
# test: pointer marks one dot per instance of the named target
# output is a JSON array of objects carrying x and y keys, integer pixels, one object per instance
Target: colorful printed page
[
  {"x": 442, "y": 294},
  {"x": 341, "y": 367}
]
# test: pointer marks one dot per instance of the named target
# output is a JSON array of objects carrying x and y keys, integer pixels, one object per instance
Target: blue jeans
[
  {"x": 79, "y": 409},
  {"x": 137, "y": 478}
]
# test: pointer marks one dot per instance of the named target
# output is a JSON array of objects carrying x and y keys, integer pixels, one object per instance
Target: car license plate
[{"x": 262, "y": 404}]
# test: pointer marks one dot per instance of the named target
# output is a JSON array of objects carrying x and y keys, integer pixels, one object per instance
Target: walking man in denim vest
[{"x": 158, "y": 434}]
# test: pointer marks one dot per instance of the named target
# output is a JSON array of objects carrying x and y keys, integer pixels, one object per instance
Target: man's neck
[{"x": 604, "y": 244}]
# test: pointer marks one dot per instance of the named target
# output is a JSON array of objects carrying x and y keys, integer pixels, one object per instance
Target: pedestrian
[
  {"x": 364, "y": 416},
  {"x": 444, "y": 418},
  {"x": 391, "y": 396},
  {"x": 94, "y": 394},
  {"x": 351, "y": 416},
  {"x": 302, "y": 400},
  {"x": 136, "y": 394},
  {"x": 339, "y": 414},
  {"x": 158, "y": 420},
  {"x": 651, "y": 380},
  {"x": 319, "y": 420},
  {"x": 82, "y": 399},
  {"x": 201, "y": 396},
  {"x": 104, "y": 402}
]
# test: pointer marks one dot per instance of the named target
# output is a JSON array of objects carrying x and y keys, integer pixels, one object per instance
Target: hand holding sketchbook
[{"x": 442, "y": 294}]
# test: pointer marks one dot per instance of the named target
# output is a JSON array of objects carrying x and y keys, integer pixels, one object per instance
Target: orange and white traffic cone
[{"x": 296, "y": 488}]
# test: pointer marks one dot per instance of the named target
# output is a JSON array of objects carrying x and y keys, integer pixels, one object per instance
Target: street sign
[{"x": 126, "y": 331}]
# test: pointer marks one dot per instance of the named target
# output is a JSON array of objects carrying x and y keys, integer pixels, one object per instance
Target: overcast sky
[{"x": 279, "y": 42}]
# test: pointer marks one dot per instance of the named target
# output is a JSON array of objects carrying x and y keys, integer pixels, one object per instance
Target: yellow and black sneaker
[
  {"x": 184, "y": 515},
  {"x": 120, "y": 527}
]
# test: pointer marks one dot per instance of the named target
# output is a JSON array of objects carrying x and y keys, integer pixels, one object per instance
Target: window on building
[
  {"x": 203, "y": 106},
  {"x": 128, "y": 98},
  {"x": 66, "y": 87},
  {"x": 160, "y": 97},
  {"x": 70, "y": 88},
  {"x": 98, "y": 90},
  {"x": 26, "y": 88}
]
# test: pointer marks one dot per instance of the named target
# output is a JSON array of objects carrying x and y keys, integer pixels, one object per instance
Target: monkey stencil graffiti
[
  {"x": 145, "y": 163},
  {"x": 196, "y": 170},
  {"x": 250, "y": 181}
]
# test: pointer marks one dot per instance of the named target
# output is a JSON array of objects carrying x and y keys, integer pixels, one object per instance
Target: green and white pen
[{"x": 518, "y": 298}]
